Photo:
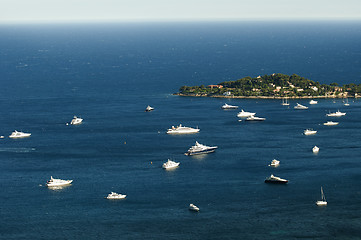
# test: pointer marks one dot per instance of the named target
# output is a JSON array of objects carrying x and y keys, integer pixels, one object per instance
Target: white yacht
[
  {"x": 285, "y": 102},
  {"x": 254, "y": 118},
  {"x": 274, "y": 179},
  {"x": 53, "y": 182},
  {"x": 299, "y": 106},
  {"x": 336, "y": 114},
  {"x": 193, "y": 207},
  {"x": 76, "y": 120},
  {"x": 114, "y": 195},
  {"x": 200, "y": 149},
  {"x": 309, "y": 131},
  {"x": 313, "y": 102},
  {"x": 226, "y": 106},
  {"x": 149, "y": 108},
  {"x": 323, "y": 201},
  {"x": 182, "y": 130},
  {"x": 315, "y": 149},
  {"x": 244, "y": 114},
  {"x": 17, "y": 134},
  {"x": 170, "y": 164},
  {"x": 330, "y": 123},
  {"x": 274, "y": 163}
]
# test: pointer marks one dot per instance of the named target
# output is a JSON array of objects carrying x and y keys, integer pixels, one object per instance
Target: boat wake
[{"x": 17, "y": 150}]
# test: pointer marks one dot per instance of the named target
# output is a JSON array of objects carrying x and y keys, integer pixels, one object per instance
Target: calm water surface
[{"x": 108, "y": 74}]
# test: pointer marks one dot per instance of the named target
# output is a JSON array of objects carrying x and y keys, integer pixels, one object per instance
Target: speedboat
[
  {"x": 193, "y": 207},
  {"x": 323, "y": 201},
  {"x": 17, "y": 134},
  {"x": 76, "y": 120},
  {"x": 244, "y": 114},
  {"x": 274, "y": 163},
  {"x": 170, "y": 164},
  {"x": 313, "y": 102},
  {"x": 309, "y": 131},
  {"x": 182, "y": 130},
  {"x": 274, "y": 179},
  {"x": 53, "y": 182},
  {"x": 336, "y": 114},
  {"x": 315, "y": 149},
  {"x": 299, "y": 106},
  {"x": 114, "y": 195},
  {"x": 226, "y": 106},
  {"x": 254, "y": 118},
  {"x": 200, "y": 149},
  {"x": 149, "y": 108},
  {"x": 330, "y": 123}
]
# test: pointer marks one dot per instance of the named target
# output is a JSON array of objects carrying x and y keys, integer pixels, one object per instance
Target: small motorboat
[
  {"x": 193, "y": 207},
  {"x": 53, "y": 182},
  {"x": 170, "y": 164},
  {"x": 17, "y": 134},
  {"x": 274, "y": 179},
  {"x": 300, "y": 107},
  {"x": 114, "y": 195},
  {"x": 254, "y": 118},
  {"x": 76, "y": 120},
  {"x": 274, "y": 163},
  {"x": 336, "y": 114},
  {"x": 149, "y": 108},
  {"x": 243, "y": 114},
  {"x": 182, "y": 130},
  {"x": 330, "y": 123},
  {"x": 315, "y": 149},
  {"x": 313, "y": 102},
  {"x": 226, "y": 106},
  {"x": 309, "y": 132}
]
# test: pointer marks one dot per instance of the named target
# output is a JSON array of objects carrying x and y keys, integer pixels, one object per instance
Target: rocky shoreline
[{"x": 262, "y": 97}]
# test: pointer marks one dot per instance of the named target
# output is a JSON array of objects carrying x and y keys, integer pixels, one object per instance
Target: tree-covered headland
[{"x": 273, "y": 86}]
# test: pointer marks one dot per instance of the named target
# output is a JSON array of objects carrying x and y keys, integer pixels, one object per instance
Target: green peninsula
[{"x": 276, "y": 85}]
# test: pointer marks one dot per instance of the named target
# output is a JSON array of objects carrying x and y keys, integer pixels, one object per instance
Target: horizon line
[{"x": 175, "y": 20}]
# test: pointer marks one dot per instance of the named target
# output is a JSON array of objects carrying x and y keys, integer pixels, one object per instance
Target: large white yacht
[
  {"x": 336, "y": 114},
  {"x": 182, "y": 130},
  {"x": 114, "y": 195},
  {"x": 313, "y": 102},
  {"x": 254, "y": 118},
  {"x": 330, "y": 123},
  {"x": 274, "y": 179},
  {"x": 17, "y": 134},
  {"x": 309, "y": 131},
  {"x": 170, "y": 164},
  {"x": 76, "y": 120},
  {"x": 226, "y": 106},
  {"x": 53, "y": 182},
  {"x": 200, "y": 149},
  {"x": 299, "y": 106},
  {"x": 149, "y": 108},
  {"x": 193, "y": 207},
  {"x": 244, "y": 114}
]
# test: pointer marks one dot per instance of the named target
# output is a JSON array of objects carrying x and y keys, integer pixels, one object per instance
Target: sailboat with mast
[
  {"x": 285, "y": 102},
  {"x": 323, "y": 201}
]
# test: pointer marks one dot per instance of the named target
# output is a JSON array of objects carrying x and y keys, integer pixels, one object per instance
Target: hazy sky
[{"x": 104, "y": 10}]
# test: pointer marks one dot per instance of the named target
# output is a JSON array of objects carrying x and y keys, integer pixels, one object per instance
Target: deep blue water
[{"x": 109, "y": 73}]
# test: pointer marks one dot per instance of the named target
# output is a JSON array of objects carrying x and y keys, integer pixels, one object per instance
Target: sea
[{"x": 108, "y": 73}]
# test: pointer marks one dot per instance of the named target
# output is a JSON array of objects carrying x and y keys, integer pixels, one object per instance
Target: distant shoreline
[{"x": 259, "y": 97}]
